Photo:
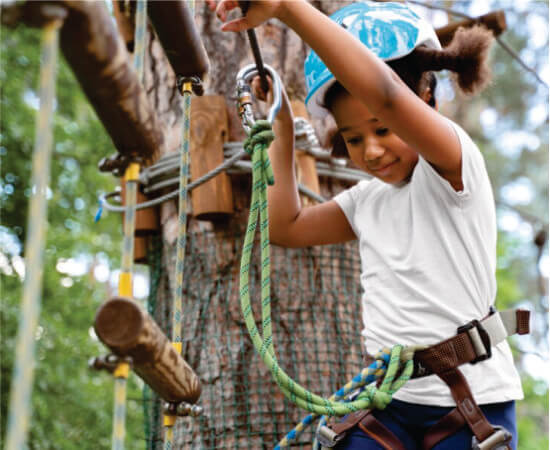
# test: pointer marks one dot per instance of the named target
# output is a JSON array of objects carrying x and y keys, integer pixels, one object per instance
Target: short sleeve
[
  {"x": 348, "y": 200},
  {"x": 474, "y": 172}
]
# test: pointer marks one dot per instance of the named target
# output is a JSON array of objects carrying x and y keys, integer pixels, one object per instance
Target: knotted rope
[{"x": 256, "y": 145}]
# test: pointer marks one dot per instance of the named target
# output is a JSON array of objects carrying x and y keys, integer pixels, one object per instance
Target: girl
[{"x": 425, "y": 221}]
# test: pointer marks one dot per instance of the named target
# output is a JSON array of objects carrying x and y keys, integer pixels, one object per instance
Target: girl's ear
[{"x": 429, "y": 98}]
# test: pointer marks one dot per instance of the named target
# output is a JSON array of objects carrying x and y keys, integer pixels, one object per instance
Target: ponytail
[{"x": 466, "y": 55}]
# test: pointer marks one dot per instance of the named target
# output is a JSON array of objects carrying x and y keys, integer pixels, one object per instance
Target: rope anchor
[
  {"x": 244, "y": 95},
  {"x": 182, "y": 409},
  {"x": 108, "y": 362}
]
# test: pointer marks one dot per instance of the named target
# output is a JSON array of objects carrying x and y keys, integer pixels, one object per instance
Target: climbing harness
[
  {"x": 23, "y": 371},
  {"x": 471, "y": 344}
]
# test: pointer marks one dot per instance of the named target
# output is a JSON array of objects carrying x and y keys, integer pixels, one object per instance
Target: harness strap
[
  {"x": 466, "y": 405},
  {"x": 445, "y": 427},
  {"x": 472, "y": 343},
  {"x": 350, "y": 421},
  {"x": 378, "y": 431}
]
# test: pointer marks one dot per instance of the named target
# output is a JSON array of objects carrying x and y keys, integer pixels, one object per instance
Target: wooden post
[
  {"x": 140, "y": 249},
  {"x": 212, "y": 200},
  {"x": 306, "y": 171},
  {"x": 124, "y": 327},
  {"x": 494, "y": 21}
]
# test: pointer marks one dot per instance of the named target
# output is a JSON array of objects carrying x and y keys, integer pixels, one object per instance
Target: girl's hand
[
  {"x": 258, "y": 12},
  {"x": 259, "y": 93}
]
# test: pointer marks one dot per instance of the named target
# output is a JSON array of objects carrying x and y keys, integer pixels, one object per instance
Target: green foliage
[{"x": 72, "y": 406}]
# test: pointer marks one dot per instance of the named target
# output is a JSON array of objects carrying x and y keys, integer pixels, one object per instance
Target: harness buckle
[
  {"x": 499, "y": 440},
  {"x": 327, "y": 437},
  {"x": 479, "y": 338}
]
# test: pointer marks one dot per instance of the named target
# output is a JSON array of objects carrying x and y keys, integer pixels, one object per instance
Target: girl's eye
[
  {"x": 382, "y": 131},
  {"x": 354, "y": 141}
]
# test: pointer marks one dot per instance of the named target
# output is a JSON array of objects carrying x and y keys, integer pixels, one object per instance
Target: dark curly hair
[{"x": 465, "y": 56}]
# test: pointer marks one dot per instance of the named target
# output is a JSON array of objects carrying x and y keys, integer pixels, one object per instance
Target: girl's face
[{"x": 371, "y": 146}]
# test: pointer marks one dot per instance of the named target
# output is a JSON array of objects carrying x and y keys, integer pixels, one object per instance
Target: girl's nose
[{"x": 373, "y": 150}]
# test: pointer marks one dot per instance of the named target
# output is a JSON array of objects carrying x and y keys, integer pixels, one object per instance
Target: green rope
[
  {"x": 256, "y": 145},
  {"x": 23, "y": 372}
]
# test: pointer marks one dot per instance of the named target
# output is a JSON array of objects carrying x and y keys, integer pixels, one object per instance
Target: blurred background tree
[{"x": 73, "y": 406}]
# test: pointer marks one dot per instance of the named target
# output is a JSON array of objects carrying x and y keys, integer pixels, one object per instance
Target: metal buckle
[
  {"x": 497, "y": 441},
  {"x": 327, "y": 437},
  {"x": 479, "y": 338}
]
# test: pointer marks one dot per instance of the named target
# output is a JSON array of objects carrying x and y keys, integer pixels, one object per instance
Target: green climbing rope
[{"x": 400, "y": 365}]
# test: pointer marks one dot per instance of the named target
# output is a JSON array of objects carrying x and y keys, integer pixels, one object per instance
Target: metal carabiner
[{"x": 244, "y": 95}]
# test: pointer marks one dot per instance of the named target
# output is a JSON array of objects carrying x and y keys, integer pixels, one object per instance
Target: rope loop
[{"x": 260, "y": 138}]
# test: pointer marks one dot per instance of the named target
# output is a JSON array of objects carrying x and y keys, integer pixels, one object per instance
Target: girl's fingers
[
  {"x": 236, "y": 25},
  {"x": 224, "y": 7}
]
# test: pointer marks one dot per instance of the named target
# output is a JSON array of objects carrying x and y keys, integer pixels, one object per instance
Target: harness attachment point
[
  {"x": 480, "y": 339},
  {"x": 499, "y": 440},
  {"x": 327, "y": 437}
]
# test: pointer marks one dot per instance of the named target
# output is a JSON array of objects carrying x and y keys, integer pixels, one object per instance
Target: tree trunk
[{"x": 315, "y": 291}]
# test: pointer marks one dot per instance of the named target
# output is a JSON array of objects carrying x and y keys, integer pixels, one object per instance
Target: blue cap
[{"x": 389, "y": 30}]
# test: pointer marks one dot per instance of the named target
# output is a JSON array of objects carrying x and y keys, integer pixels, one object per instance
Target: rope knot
[
  {"x": 378, "y": 399},
  {"x": 256, "y": 145}
]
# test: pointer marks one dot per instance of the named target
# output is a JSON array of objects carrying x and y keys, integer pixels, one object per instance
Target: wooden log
[
  {"x": 306, "y": 170},
  {"x": 124, "y": 327},
  {"x": 175, "y": 27},
  {"x": 100, "y": 61},
  {"x": 212, "y": 200},
  {"x": 494, "y": 21},
  {"x": 98, "y": 57},
  {"x": 124, "y": 13}
]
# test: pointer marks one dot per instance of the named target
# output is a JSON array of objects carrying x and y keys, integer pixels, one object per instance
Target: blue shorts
[{"x": 409, "y": 422}]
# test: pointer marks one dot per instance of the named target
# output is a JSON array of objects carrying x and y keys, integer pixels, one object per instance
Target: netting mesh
[{"x": 316, "y": 329}]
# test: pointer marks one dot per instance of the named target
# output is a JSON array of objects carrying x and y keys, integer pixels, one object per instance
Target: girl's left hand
[{"x": 258, "y": 12}]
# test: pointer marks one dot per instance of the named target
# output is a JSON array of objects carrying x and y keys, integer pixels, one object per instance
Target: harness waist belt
[{"x": 472, "y": 343}]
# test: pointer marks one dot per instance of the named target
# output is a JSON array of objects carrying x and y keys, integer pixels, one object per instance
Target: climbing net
[{"x": 317, "y": 323}]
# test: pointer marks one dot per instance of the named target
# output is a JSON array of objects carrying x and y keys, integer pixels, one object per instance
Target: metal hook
[{"x": 244, "y": 95}]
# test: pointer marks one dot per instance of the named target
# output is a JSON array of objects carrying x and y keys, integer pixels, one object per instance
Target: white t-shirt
[{"x": 428, "y": 257}]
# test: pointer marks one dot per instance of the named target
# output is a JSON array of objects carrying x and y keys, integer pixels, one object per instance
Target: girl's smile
[{"x": 371, "y": 146}]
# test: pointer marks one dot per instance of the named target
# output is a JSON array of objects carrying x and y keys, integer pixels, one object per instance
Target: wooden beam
[
  {"x": 178, "y": 35},
  {"x": 98, "y": 57},
  {"x": 124, "y": 327}
]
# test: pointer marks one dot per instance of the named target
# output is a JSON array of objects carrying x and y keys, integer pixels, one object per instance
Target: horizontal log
[
  {"x": 179, "y": 37},
  {"x": 128, "y": 330},
  {"x": 494, "y": 21},
  {"x": 98, "y": 57}
]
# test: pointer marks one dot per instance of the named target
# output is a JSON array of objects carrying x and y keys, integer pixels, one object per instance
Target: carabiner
[{"x": 244, "y": 95}]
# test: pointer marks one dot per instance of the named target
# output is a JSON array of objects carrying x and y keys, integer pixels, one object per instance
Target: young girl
[{"x": 425, "y": 221}]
